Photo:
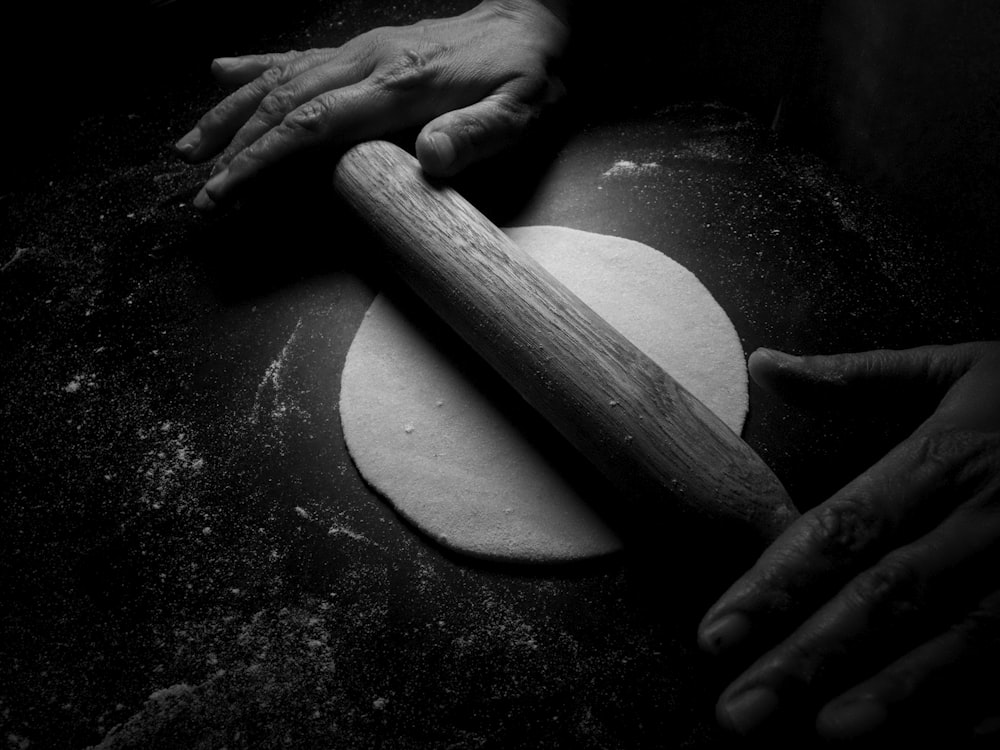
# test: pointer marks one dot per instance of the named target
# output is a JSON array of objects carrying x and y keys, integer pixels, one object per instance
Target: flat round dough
[{"x": 464, "y": 460}]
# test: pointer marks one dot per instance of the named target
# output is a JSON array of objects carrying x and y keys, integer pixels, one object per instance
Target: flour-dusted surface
[
  {"x": 164, "y": 374},
  {"x": 468, "y": 464}
]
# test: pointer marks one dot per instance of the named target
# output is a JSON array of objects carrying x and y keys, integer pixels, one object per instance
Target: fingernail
[
  {"x": 189, "y": 142},
  {"x": 724, "y": 633},
  {"x": 854, "y": 719},
  {"x": 202, "y": 202},
  {"x": 748, "y": 710},
  {"x": 225, "y": 62},
  {"x": 214, "y": 186},
  {"x": 444, "y": 149},
  {"x": 220, "y": 164},
  {"x": 774, "y": 354}
]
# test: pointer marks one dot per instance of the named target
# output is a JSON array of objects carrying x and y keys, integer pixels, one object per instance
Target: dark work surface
[{"x": 187, "y": 552}]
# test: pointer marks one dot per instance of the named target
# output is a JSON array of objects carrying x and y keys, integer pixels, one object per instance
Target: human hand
[
  {"x": 878, "y": 611},
  {"x": 474, "y": 83}
]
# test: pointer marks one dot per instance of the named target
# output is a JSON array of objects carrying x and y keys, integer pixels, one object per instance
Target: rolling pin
[{"x": 653, "y": 440}]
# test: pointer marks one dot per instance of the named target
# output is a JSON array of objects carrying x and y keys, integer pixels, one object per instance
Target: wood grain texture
[{"x": 648, "y": 435}]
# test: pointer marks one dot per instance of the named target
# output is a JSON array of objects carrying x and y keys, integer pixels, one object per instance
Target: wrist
[{"x": 558, "y": 8}]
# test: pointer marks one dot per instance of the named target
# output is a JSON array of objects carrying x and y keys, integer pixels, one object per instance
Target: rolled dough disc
[{"x": 464, "y": 460}]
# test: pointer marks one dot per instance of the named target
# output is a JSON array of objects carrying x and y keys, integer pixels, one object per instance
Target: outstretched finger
[
  {"x": 939, "y": 681},
  {"x": 861, "y": 373},
  {"x": 963, "y": 377},
  {"x": 336, "y": 118},
  {"x": 903, "y": 495},
  {"x": 283, "y": 99},
  {"x": 236, "y": 71},
  {"x": 879, "y": 611},
  {"x": 368, "y": 109},
  {"x": 217, "y": 126}
]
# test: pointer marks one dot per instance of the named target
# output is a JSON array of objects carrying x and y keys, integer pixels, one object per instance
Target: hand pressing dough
[{"x": 465, "y": 460}]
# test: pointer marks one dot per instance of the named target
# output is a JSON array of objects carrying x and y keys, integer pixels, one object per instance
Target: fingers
[
  {"x": 941, "y": 679},
  {"x": 873, "y": 616},
  {"x": 453, "y": 141},
  {"x": 473, "y": 81},
  {"x": 879, "y": 371},
  {"x": 237, "y": 71},
  {"x": 915, "y": 486},
  {"x": 285, "y": 98},
  {"x": 963, "y": 377},
  {"x": 864, "y": 579},
  {"x": 385, "y": 100},
  {"x": 217, "y": 127},
  {"x": 338, "y": 117}
]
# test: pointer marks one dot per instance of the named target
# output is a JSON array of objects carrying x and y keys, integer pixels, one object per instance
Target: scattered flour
[
  {"x": 629, "y": 168},
  {"x": 272, "y": 386},
  {"x": 169, "y": 463},
  {"x": 82, "y": 380}
]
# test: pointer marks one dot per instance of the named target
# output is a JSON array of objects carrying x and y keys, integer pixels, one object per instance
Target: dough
[{"x": 460, "y": 456}]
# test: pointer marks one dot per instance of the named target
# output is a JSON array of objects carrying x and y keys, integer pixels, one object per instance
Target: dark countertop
[{"x": 188, "y": 553}]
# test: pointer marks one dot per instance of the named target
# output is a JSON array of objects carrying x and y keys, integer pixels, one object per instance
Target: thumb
[
  {"x": 929, "y": 370},
  {"x": 451, "y": 142}
]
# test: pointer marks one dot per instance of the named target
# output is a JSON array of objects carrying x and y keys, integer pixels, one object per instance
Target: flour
[{"x": 629, "y": 168}]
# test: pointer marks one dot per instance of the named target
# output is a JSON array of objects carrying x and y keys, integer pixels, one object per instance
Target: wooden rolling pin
[{"x": 648, "y": 435}]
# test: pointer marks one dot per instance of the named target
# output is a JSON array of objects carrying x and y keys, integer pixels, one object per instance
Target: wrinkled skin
[
  {"x": 881, "y": 604},
  {"x": 876, "y": 604},
  {"x": 473, "y": 83}
]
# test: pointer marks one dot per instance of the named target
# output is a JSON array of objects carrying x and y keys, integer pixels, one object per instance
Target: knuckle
[
  {"x": 274, "y": 76},
  {"x": 407, "y": 68},
  {"x": 515, "y": 112},
  {"x": 505, "y": 117},
  {"x": 844, "y": 527},
  {"x": 893, "y": 586},
  {"x": 367, "y": 46},
  {"x": 878, "y": 362},
  {"x": 468, "y": 129},
  {"x": 279, "y": 59},
  {"x": 310, "y": 117},
  {"x": 275, "y": 59},
  {"x": 277, "y": 103},
  {"x": 940, "y": 450},
  {"x": 961, "y": 461}
]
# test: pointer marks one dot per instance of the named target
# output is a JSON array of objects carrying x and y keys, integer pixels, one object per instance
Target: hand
[
  {"x": 887, "y": 595},
  {"x": 473, "y": 82}
]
